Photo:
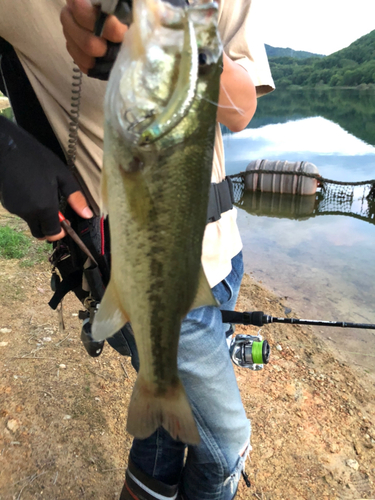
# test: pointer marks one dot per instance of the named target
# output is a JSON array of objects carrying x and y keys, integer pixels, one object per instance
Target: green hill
[
  {"x": 350, "y": 67},
  {"x": 287, "y": 52}
]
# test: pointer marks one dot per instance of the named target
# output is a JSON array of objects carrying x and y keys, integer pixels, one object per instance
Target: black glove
[{"x": 31, "y": 177}]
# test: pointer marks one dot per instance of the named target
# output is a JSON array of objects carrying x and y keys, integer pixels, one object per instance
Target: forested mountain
[
  {"x": 349, "y": 67},
  {"x": 281, "y": 52}
]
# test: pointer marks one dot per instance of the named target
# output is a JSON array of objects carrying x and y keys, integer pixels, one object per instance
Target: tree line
[{"x": 350, "y": 67}]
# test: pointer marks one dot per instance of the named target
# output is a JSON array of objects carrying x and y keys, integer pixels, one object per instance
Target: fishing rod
[
  {"x": 251, "y": 351},
  {"x": 258, "y": 318}
]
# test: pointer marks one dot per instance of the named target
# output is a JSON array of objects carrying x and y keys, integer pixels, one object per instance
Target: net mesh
[{"x": 354, "y": 199}]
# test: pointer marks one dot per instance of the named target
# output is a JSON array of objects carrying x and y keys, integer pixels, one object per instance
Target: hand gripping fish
[{"x": 160, "y": 111}]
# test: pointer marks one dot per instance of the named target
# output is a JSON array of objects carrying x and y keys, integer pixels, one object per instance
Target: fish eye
[{"x": 204, "y": 61}]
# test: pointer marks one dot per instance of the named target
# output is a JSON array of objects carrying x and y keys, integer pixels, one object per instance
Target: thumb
[
  {"x": 69, "y": 188},
  {"x": 79, "y": 204}
]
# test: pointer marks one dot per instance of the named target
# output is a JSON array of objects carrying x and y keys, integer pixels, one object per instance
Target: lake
[{"x": 324, "y": 264}]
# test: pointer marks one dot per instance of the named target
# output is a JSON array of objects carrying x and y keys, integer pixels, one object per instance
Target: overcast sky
[{"x": 319, "y": 26}]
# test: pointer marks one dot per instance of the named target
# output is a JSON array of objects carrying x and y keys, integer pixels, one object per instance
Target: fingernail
[{"x": 87, "y": 213}]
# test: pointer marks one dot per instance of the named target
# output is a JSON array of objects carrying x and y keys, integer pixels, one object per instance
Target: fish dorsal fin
[
  {"x": 110, "y": 317},
  {"x": 204, "y": 296}
]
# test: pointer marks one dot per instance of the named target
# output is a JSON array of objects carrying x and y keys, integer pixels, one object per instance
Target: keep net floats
[{"x": 353, "y": 199}]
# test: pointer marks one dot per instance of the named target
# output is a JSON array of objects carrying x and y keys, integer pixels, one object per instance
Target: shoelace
[{"x": 246, "y": 479}]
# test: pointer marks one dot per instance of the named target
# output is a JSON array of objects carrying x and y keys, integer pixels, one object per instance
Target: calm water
[{"x": 324, "y": 264}]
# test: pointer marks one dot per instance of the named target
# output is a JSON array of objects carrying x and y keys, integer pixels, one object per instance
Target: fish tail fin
[{"x": 148, "y": 411}]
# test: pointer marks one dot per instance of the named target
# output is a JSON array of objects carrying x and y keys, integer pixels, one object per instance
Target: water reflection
[
  {"x": 324, "y": 265},
  {"x": 330, "y": 199},
  {"x": 337, "y": 154},
  {"x": 297, "y": 135},
  {"x": 352, "y": 110}
]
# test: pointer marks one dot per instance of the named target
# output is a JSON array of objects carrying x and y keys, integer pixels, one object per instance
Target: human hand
[
  {"x": 31, "y": 177},
  {"x": 78, "y": 19}
]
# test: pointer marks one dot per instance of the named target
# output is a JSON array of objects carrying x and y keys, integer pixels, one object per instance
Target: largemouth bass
[{"x": 160, "y": 111}]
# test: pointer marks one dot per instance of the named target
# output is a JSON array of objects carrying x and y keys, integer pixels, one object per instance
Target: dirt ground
[
  {"x": 4, "y": 103},
  {"x": 63, "y": 414}
]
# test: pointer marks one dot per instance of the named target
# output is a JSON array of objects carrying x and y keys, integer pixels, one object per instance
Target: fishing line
[
  {"x": 222, "y": 106},
  {"x": 239, "y": 110}
]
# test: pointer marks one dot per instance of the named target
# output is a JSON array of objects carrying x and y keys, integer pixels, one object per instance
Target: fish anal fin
[
  {"x": 148, "y": 411},
  {"x": 110, "y": 317},
  {"x": 204, "y": 296}
]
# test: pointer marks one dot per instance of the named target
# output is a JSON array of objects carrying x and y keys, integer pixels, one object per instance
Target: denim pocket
[
  {"x": 223, "y": 292},
  {"x": 227, "y": 290}
]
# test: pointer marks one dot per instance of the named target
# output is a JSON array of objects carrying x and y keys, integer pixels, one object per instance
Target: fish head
[{"x": 169, "y": 58}]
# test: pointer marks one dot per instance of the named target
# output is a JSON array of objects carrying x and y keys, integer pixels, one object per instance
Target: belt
[{"x": 221, "y": 199}]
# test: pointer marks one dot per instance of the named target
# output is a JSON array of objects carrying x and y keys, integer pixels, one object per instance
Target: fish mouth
[
  {"x": 159, "y": 86},
  {"x": 138, "y": 125},
  {"x": 185, "y": 91}
]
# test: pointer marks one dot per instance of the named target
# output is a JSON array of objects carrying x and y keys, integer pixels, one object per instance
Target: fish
[{"x": 160, "y": 119}]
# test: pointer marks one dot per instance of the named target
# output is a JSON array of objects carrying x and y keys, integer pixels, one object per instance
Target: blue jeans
[{"x": 213, "y": 468}]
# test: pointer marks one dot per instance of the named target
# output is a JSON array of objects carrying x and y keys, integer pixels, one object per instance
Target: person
[{"x": 159, "y": 467}]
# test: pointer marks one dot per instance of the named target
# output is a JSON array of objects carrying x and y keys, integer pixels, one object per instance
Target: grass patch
[
  {"x": 37, "y": 253},
  {"x": 7, "y": 113},
  {"x": 13, "y": 245}
]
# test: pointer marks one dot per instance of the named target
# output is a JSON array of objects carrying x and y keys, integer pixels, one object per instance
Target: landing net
[{"x": 354, "y": 199}]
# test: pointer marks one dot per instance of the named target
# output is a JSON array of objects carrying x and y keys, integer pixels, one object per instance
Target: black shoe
[
  {"x": 124, "y": 343},
  {"x": 135, "y": 480},
  {"x": 93, "y": 348}
]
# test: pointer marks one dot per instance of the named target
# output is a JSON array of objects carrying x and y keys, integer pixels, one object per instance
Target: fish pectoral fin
[
  {"x": 204, "y": 295},
  {"x": 147, "y": 412},
  {"x": 110, "y": 317}
]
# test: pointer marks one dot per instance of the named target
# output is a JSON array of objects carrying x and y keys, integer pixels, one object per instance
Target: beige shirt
[
  {"x": 239, "y": 30},
  {"x": 34, "y": 30}
]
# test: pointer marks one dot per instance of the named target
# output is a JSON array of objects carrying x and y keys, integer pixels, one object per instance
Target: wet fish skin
[{"x": 156, "y": 194}]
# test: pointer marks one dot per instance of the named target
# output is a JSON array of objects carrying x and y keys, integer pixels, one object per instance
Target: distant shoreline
[{"x": 364, "y": 87}]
